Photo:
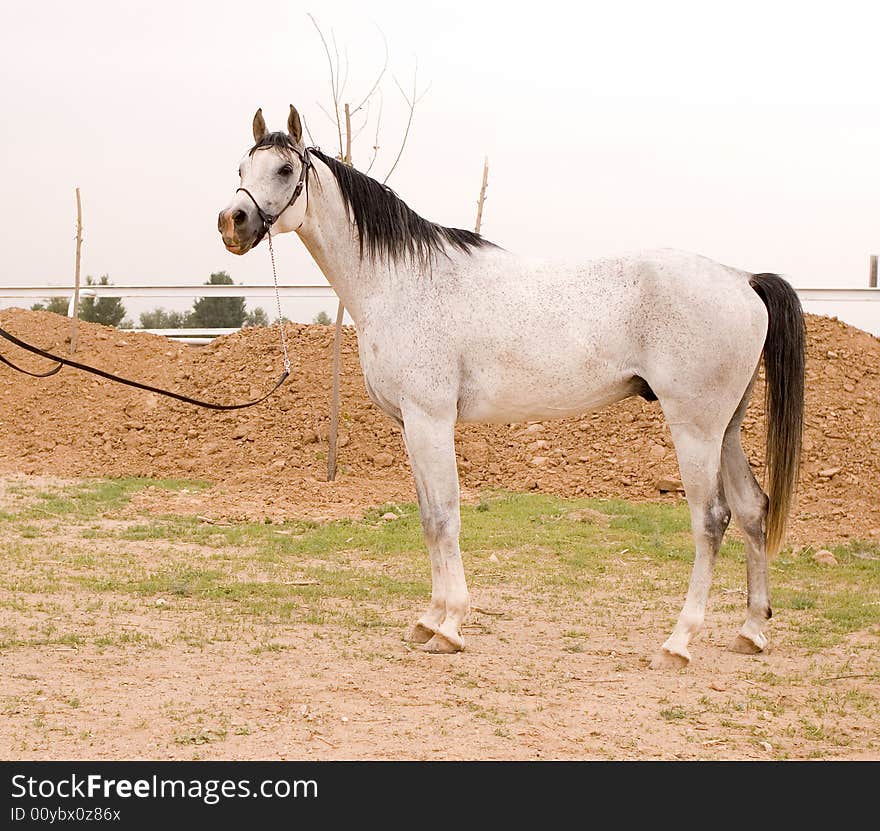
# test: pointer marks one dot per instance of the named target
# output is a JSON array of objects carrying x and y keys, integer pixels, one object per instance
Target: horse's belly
[{"x": 537, "y": 398}]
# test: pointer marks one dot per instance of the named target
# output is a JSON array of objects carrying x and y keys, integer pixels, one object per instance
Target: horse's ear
[
  {"x": 259, "y": 126},
  {"x": 294, "y": 125}
]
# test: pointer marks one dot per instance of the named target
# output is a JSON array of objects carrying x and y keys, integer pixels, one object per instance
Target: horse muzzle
[{"x": 240, "y": 232}]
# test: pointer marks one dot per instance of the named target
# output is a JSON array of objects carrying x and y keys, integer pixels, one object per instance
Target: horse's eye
[{"x": 286, "y": 170}]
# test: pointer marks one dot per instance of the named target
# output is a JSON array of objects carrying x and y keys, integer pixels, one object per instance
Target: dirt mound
[{"x": 270, "y": 461}]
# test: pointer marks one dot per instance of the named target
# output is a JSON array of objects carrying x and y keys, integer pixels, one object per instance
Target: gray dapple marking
[{"x": 451, "y": 327}]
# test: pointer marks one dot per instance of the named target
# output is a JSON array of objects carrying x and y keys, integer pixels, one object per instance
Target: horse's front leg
[{"x": 430, "y": 443}]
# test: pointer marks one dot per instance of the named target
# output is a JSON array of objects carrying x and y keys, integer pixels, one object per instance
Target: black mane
[{"x": 387, "y": 226}]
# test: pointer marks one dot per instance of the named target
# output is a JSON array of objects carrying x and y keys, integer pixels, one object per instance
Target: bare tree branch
[
  {"x": 378, "y": 77},
  {"x": 376, "y": 139},
  {"x": 425, "y": 91},
  {"x": 324, "y": 110},
  {"x": 347, "y": 132},
  {"x": 364, "y": 122},
  {"x": 336, "y": 53},
  {"x": 344, "y": 83},
  {"x": 411, "y": 103},
  {"x": 482, "y": 199},
  {"x": 306, "y": 128},
  {"x": 358, "y": 130},
  {"x": 402, "y": 144},
  {"x": 347, "y": 158},
  {"x": 338, "y": 96},
  {"x": 333, "y": 76}
]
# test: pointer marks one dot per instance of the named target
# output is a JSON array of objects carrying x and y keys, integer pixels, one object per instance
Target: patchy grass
[
  {"x": 569, "y": 597},
  {"x": 89, "y": 499},
  {"x": 674, "y": 713},
  {"x": 348, "y": 572}
]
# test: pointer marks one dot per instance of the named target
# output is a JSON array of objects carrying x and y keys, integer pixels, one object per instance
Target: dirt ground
[
  {"x": 196, "y": 641},
  {"x": 513, "y": 694}
]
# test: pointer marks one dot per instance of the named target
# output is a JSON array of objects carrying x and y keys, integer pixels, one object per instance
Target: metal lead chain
[{"x": 278, "y": 305}]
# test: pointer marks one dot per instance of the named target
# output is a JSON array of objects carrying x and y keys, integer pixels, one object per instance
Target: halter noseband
[{"x": 268, "y": 220}]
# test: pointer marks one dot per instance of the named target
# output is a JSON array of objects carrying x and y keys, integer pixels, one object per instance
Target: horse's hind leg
[
  {"x": 699, "y": 460},
  {"x": 425, "y": 627},
  {"x": 430, "y": 443},
  {"x": 749, "y": 505}
]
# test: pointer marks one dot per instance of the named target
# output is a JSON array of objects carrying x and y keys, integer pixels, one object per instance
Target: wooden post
[
  {"x": 334, "y": 394},
  {"x": 872, "y": 274},
  {"x": 347, "y": 158},
  {"x": 333, "y": 439},
  {"x": 75, "y": 316},
  {"x": 482, "y": 198}
]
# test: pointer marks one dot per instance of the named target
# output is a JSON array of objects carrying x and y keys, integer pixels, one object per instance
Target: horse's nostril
[{"x": 238, "y": 217}]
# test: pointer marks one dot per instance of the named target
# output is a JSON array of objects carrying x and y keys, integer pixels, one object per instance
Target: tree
[
  {"x": 108, "y": 311},
  {"x": 257, "y": 317},
  {"x": 349, "y": 119},
  {"x": 218, "y": 312},
  {"x": 58, "y": 305},
  {"x": 323, "y": 318},
  {"x": 160, "y": 319}
]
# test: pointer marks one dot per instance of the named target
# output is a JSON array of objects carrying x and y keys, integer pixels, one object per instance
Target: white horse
[{"x": 453, "y": 328}]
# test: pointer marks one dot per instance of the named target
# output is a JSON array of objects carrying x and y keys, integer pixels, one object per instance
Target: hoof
[
  {"x": 665, "y": 659},
  {"x": 442, "y": 645},
  {"x": 420, "y": 634},
  {"x": 749, "y": 644}
]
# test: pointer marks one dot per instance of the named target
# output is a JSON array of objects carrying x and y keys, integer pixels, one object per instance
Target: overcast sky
[{"x": 745, "y": 131}]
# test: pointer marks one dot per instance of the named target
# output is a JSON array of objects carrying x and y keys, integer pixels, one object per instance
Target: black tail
[{"x": 784, "y": 352}]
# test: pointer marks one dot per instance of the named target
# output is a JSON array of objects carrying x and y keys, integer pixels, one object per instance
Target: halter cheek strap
[{"x": 267, "y": 219}]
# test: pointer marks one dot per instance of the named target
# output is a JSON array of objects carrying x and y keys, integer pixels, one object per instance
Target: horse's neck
[{"x": 329, "y": 237}]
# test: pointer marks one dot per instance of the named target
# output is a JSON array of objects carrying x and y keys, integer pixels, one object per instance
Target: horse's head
[{"x": 273, "y": 187}]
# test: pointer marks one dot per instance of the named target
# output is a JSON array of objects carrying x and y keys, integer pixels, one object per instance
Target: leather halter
[{"x": 267, "y": 219}]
